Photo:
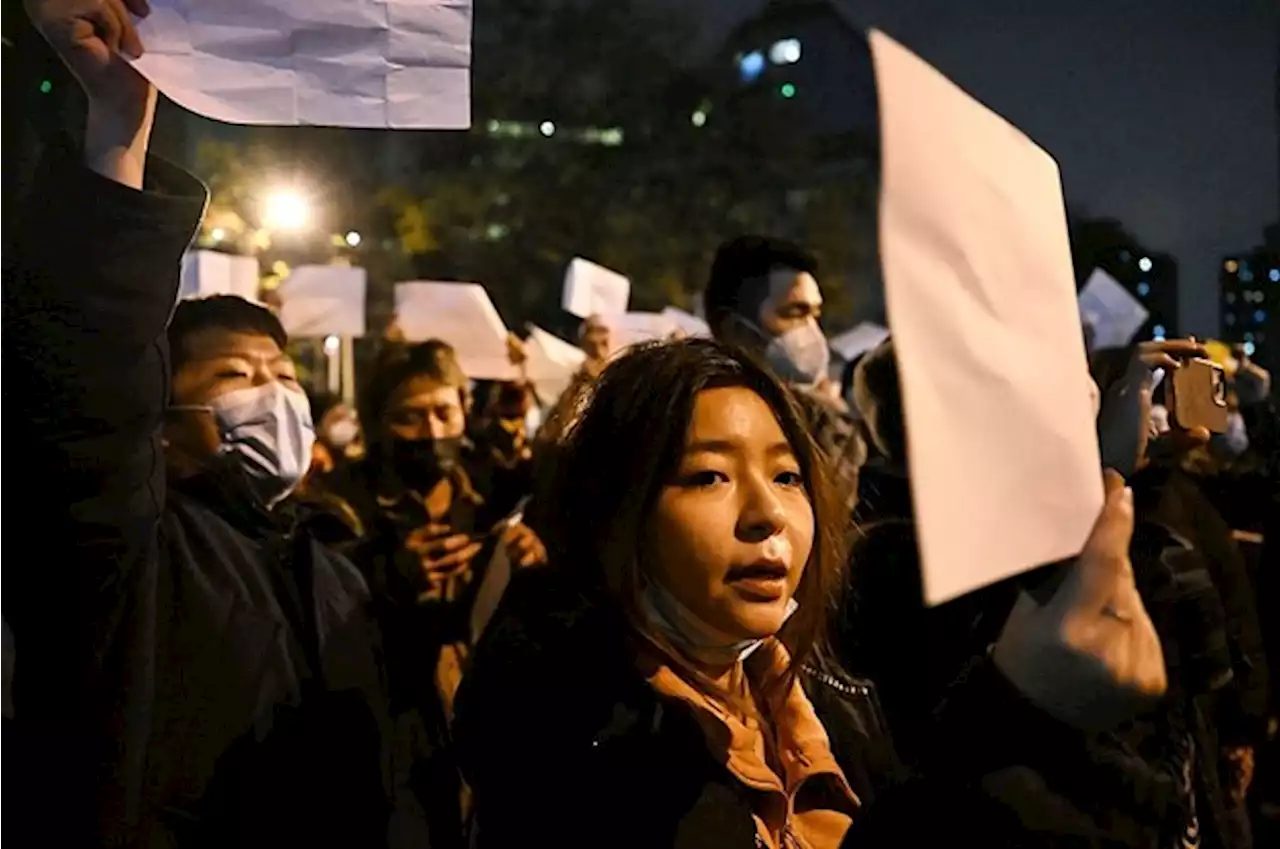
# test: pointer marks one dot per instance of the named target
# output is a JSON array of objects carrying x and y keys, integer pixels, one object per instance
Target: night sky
[{"x": 1161, "y": 113}]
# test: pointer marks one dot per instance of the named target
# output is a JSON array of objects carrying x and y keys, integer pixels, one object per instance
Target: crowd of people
[{"x": 678, "y": 606}]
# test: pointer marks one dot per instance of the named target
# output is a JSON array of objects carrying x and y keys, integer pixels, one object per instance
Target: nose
[
  {"x": 436, "y": 427},
  {"x": 761, "y": 514}
]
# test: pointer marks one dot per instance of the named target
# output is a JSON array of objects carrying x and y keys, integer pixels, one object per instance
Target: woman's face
[{"x": 731, "y": 533}]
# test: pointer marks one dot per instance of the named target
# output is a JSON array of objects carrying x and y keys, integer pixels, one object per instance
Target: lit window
[
  {"x": 1143, "y": 289},
  {"x": 788, "y": 90},
  {"x": 1246, "y": 274},
  {"x": 1145, "y": 263},
  {"x": 785, "y": 52},
  {"x": 1229, "y": 319},
  {"x": 1249, "y": 348},
  {"x": 1259, "y": 316},
  {"x": 751, "y": 66},
  {"x": 1231, "y": 266},
  {"x": 1125, "y": 256},
  {"x": 1274, "y": 274},
  {"x": 1158, "y": 331},
  {"x": 611, "y": 137}
]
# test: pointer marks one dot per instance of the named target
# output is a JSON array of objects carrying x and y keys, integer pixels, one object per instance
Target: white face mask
[
  {"x": 268, "y": 428},
  {"x": 801, "y": 355},
  {"x": 689, "y": 633}
]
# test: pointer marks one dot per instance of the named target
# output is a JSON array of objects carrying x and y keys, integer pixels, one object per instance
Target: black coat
[
  {"x": 195, "y": 671},
  {"x": 565, "y": 744}
]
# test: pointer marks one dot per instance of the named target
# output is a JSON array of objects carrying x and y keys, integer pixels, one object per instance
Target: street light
[
  {"x": 1145, "y": 263},
  {"x": 352, "y": 239},
  {"x": 286, "y": 210},
  {"x": 218, "y": 234},
  {"x": 547, "y": 128}
]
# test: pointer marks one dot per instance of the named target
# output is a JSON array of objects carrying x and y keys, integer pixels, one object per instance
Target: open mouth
[{"x": 764, "y": 580}]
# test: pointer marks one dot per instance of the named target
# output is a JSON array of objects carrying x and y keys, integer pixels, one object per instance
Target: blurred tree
[{"x": 584, "y": 143}]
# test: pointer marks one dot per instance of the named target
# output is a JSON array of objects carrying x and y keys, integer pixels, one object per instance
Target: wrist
[{"x": 117, "y": 137}]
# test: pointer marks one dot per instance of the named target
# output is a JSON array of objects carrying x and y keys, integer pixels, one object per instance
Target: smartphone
[{"x": 1198, "y": 396}]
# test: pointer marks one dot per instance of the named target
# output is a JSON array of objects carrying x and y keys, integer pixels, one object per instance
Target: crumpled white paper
[{"x": 401, "y": 64}]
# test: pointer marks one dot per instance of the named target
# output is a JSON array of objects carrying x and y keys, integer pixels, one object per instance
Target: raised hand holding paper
[
  {"x": 1005, "y": 472},
  {"x": 401, "y": 64}
]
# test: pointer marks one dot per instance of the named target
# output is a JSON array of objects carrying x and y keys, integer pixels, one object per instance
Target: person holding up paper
[
  {"x": 666, "y": 669},
  {"x": 435, "y": 525},
  {"x": 196, "y": 670},
  {"x": 763, "y": 296}
]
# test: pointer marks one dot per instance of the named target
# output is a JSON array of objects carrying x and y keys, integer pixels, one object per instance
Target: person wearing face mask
[
  {"x": 662, "y": 683},
  {"x": 434, "y": 527},
  {"x": 197, "y": 670},
  {"x": 763, "y": 296}
]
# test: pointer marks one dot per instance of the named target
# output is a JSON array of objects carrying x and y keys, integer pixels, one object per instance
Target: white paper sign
[
  {"x": 206, "y": 273},
  {"x": 401, "y": 64},
  {"x": 1005, "y": 469},
  {"x": 591, "y": 289},
  {"x": 1114, "y": 314},
  {"x": 552, "y": 363},
  {"x": 323, "y": 300},
  {"x": 688, "y": 323},
  {"x": 854, "y": 343},
  {"x": 635, "y": 327},
  {"x": 462, "y": 315}
]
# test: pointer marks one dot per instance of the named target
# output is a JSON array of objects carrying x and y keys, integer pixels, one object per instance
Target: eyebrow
[{"x": 728, "y": 446}]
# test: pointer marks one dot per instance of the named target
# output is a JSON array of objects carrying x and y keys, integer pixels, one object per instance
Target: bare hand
[
  {"x": 442, "y": 553},
  {"x": 1090, "y": 657},
  {"x": 94, "y": 38},
  {"x": 1168, "y": 354},
  {"x": 516, "y": 352},
  {"x": 1240, "y": 761},
  {"x": 523, "y": 547}
]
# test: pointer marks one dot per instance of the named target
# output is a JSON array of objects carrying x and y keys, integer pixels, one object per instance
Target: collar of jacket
[{"x": 223, "y": 487}]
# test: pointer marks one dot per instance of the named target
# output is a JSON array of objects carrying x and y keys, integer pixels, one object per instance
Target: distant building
[
  {"x": 1249, "y": 285},
  {"x": 1152, "y": 278},
  {"x": 811, "y": 58}
]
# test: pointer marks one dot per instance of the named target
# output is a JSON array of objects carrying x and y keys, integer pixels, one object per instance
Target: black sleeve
[
  {"x": 88, "y": 291},
  {"x": 1000, "y": 772},
  {"x": 89, "y": 285}
]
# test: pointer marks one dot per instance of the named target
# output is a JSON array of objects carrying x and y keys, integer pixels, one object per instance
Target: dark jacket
[
  {"x": 838, "y": 435},
  {"x": 565, "y": 744},
  {"x": 1174, "y": 499},
  {"x": 196, "y": 671}
]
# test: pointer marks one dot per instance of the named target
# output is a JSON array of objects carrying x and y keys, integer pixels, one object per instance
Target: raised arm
[{"x": 88, "y": 289}]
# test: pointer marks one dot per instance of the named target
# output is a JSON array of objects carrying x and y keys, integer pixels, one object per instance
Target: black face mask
[{"x": 421, "y": 463}]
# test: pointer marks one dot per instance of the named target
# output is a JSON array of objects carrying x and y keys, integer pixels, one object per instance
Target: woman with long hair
[{"x": 663, "y": 682}]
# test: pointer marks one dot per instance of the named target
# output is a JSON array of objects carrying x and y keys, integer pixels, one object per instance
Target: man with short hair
[{"x": 763, "y": 295}]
